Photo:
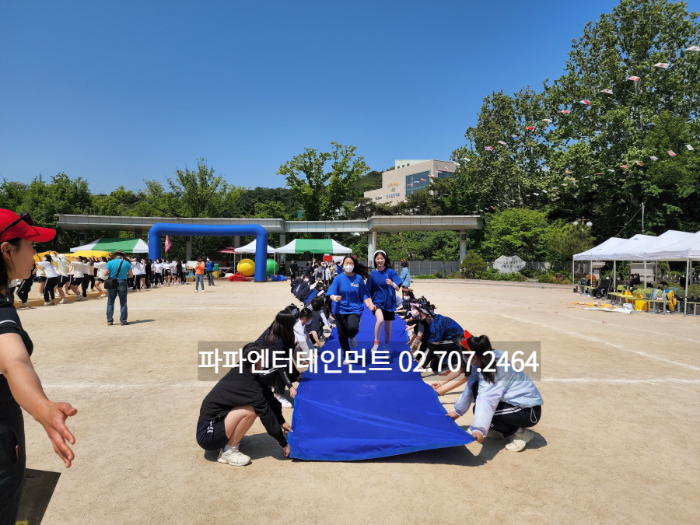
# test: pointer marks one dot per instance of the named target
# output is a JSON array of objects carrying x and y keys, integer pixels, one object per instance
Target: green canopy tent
[
  {"x": 314, "y": 246},
  {"x": 111, "y": 245}
]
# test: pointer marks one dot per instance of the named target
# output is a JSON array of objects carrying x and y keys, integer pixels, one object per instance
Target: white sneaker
[
  {"x": 375, "y": 348},
  {"x": 284, "y": 402},
  {"x": 353, "y": 342},
  {"x": 63, "y": 301},
  {"x": 24, "y": 305},
  {"x": 520, "y": 440},
  {"x": 196, "y": 291},
  {"x": 46, "y": 303},
  {"x": 234, "y": 457},
  {"x": 79, "y": 298}
]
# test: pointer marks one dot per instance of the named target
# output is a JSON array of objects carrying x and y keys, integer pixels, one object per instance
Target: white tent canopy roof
[
  {"x": 590, "y": 255},
  {"x": 631, "y": 245},
  {"x": 250, "y": 248},
  {"x": 686, "y": 248},
  {"x": 638, "y": 252}
]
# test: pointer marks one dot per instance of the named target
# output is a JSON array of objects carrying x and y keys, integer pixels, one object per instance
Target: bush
[
  {"x": 472, "y": 264},
  {"x": 423, "y": 277},
  {"x": 553, "y": 278},
  {"x": 493, "y": 275}
]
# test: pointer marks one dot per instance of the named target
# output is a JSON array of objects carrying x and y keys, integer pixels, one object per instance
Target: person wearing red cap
[{"x": 19, "y": 384}]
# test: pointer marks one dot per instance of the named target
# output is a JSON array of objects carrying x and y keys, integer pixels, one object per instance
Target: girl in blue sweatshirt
[{"x": 349, "y": 290}]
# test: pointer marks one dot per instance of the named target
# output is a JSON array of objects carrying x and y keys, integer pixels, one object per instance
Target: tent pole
[
  {"x": 687, "y": 278},
  {"x": 573, "y": 270},
  {"x": 645, "y": 275},
  {"x": 614, "y": 286}
]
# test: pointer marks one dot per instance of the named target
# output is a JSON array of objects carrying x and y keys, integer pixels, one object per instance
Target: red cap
[
  {"x": 467, "y": 335},
  {"x": 22, "y": 229}
]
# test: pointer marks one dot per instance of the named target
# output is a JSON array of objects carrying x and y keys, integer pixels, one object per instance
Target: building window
[
  {"x": 443, "y": 174},
  {"x": 417, "y": 181}
]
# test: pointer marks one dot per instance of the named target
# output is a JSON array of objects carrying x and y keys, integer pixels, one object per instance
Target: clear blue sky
[{"x": 117, "y": 92}]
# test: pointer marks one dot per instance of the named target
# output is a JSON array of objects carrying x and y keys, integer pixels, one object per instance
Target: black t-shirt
[
  {"x": 243, "y": 388},
  {"x": 10, "y": 324}
]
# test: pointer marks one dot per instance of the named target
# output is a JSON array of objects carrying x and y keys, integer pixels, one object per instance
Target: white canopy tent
[
  {"x": 590, "y": 255},
  {"x": 672, "y": 245},
  {"x": 250, "y": 248}
]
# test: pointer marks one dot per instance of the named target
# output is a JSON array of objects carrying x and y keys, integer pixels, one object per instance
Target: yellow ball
[{"x": 246, "y": 267}]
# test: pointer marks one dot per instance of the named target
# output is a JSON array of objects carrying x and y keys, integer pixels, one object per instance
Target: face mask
[
  {"x": 349, "y": 268},
  {"x": 415, "y": 314},
  {"x": 307, "y": 323},
  {"x": 406, "y": 297}
]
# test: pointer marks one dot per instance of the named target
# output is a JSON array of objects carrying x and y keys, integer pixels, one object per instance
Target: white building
[{"x": 409, "y": 176}]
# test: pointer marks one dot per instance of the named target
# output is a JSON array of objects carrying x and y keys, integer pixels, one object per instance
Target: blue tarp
[{"x": 351, "y": 416}]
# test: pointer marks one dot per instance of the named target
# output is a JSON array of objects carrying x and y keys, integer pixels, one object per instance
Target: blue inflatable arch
[{"x": 165, "y": 228}]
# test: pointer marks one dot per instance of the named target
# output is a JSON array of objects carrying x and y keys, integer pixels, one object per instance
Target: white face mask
[{"x": 349, "y": 268}]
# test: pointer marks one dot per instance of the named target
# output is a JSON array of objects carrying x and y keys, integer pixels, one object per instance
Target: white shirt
[
  {"x": 61, "y": 267},
  {"x": 40, "y": 272},
  {"x": 76, "y": 269},
  {"x": 173, "y": 266},
  {"x": 100, "y": 267},
  {"x": 87, "y": 269},
  {"x": 48, "y": 268},
  {"x": 139, "y": 268},
  {"x": 157, "y": 267}
]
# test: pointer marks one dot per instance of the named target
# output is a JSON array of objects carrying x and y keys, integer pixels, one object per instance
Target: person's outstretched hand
[
  {"x": 453, "y": 415},
  {"x": 286, "y": 451},
  {"x": 53, "y": 418},
  {"x": 477, "y": 435},
  {"x": 292, "y": 392},
  {"x": 287, "y": 427}
]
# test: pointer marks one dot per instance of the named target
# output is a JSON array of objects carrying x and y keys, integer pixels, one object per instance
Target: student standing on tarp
[
  {"x": 231, "y": 407},
  {"x": 382, "y": 285},
  {"x": 349, "y": 290},
  {"x": 506, "y": 403},
  {"x": 19, "y": 384}
]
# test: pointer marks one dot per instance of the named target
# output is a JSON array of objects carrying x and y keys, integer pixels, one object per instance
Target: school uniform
[{"x": 512, "y": 401}]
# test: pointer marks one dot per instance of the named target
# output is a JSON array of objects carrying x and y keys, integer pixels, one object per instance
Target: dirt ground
[{"x": 618, "y": 441}]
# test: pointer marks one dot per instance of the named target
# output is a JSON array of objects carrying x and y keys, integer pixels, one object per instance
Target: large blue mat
[{"x": 341, "y": 415}]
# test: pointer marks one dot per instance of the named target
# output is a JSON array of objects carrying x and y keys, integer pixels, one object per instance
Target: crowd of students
[
  {"x": 506, "y": 402},
  {"x": 60, "y": 275}
]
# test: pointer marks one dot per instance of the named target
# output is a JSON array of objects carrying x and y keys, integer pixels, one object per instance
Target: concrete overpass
[{"x": 370, "y": 227}]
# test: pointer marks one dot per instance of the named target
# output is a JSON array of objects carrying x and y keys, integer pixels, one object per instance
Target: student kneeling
[
  {"x": 231, "y": 407},
  {"x": 506, "y": 402}
]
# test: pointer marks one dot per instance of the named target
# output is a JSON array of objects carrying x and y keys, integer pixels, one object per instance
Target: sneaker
[
  {"x": 234, "y": 457},
  {"x": 25, "y": 305},
  {"x": 110, "y": 323},
  {"x": 520, "y": 440},
  {"x": 63, "y": 301},
  {"x": 353, "y": 342},
  {"x": 495, "y": 434},
  {"x": 284, "y": 402},
  {"x": 46, "y": 303},
  {"x": 375, "y": 348},
  {"x": 196, "y": 291},
  {"x": 79, "y": 298},
  {"x": 385, "y": 348}
]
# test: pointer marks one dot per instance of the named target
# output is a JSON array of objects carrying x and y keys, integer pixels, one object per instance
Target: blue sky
[{"x": 118, "y": 92}]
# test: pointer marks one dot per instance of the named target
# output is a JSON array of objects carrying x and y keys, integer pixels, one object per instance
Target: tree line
[{"x": 592, "y": 145}]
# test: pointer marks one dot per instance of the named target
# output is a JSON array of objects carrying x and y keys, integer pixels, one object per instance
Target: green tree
[
  {"x": 472, "y": 264},
  {"x": 323, "y": 182},
  {"x": 516, "y": 231},
  {"x": 563, "y": 240}
]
